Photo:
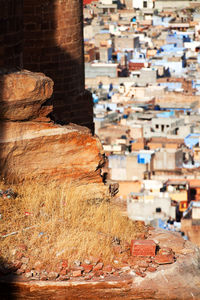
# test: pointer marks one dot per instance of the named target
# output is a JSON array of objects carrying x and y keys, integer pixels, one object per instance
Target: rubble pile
[
  {"x": 157, "y": 272},
  {"x": 126, "y": 261}
]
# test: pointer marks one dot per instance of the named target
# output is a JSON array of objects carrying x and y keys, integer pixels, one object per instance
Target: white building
[
  {"x": 141, "y": 4},
  {"x": 150, "y": 203}
]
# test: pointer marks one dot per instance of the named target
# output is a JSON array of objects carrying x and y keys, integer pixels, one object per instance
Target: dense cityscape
[
  {"x": 142, "y": 61},
  {"x": 100, "y": 149}
]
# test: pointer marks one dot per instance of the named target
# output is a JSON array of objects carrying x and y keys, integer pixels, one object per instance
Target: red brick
[
  {"x": 143, "y": 248},
  {"x": 64, "y": 263},
  {"x": 108, "y": 269},
  {"x": 77, "y": 268},
  {"x": 143, "y": 264},
  {"x": 77, "y": 273},
  {"x": 89, "y": 276},
  {"x": 151, "y": 269},
  {"x": 87, "y": 268},
  {"x": 133, "y": 260},
  {"x": 63, "y": 272},
  {"x": 162, "y": 259},
  {"x": 139, "y": 273},
  {"x": 17, "y": 265},
  {"x": 99, "y": 273},
  {"x": 64, "y": 278},
  {"x": 19, "y": 255},
  {"x": 43, "y": 277},
  {"x": 98, "y": 267}
]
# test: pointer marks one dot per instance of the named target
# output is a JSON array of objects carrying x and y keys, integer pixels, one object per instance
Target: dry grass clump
[{"x": 59, "y": 222}]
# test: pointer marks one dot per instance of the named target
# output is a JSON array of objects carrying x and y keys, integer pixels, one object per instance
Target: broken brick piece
[
  {"x": 151, "y": 269},
  {"x": 63, "y": 272},
  {"x": 89, "y": 276},
  {"x": 64, "y": 278},
  {"x": 143, "y": 264},
  {"x": 64, "y": 263},
  {"x": 19, "y": 255},
  {"x": 99, "y": 273},
  {"x": 17, "y": 265},
  {"x": 98, "y": 267},
  {"x": 162, "y": 259},
  {"x": 108, "y": 269},
  {"x": 165, "y": 251},
  {"x": 139, "y": 273},
  {"x": 143, "y": 248},
  {"x": 77, "y": 273},
  {"x": 87, "y": 268}
]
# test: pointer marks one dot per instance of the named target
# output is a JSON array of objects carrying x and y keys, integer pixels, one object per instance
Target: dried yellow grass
[{"x": 62, "y": 223}]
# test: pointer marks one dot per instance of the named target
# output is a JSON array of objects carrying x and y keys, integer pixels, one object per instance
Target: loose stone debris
[{"x": 140, "y": 261}]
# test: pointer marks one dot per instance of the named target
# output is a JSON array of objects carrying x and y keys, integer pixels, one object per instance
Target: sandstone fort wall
[{"x": 47, "y": 36}]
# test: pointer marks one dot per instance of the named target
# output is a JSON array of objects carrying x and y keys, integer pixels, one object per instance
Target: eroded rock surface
[
  {"x": 22, "y": 94},
  {"x": 33, "y": 147},
  {"x": 49, "y": 152}
]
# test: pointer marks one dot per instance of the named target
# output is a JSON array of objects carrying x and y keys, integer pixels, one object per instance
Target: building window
[
  {"x": 158, "y": 210},
  {"x": 176, "y": 131},
  {"x": 145, "y": 4}
]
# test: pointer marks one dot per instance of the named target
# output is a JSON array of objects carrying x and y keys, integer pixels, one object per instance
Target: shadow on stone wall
[
  {"x": 10, "y": 59},
  {"x": 52, "y": 36},
  {"x": 7, "y": 290},
  {"x": 53, "y": 44}
]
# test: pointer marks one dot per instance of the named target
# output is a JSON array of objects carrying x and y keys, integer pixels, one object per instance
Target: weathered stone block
[
  {"x": 22, "y": 94},
  {"x": 70, "y": 154}
]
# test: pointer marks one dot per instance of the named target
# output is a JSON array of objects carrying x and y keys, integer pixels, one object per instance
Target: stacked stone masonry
[
  {"x": 11, "y": 33},
  {"x": 51, "y": 33}
]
